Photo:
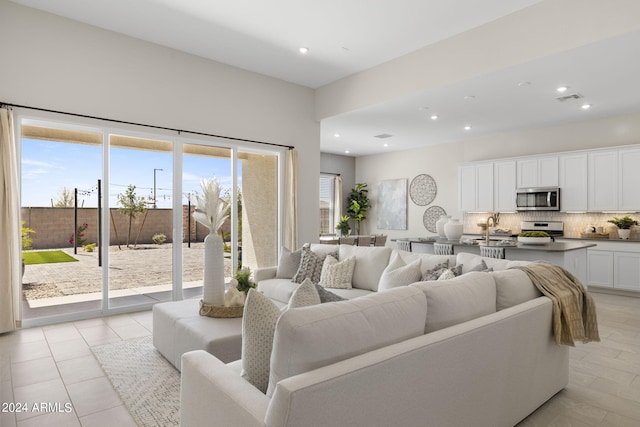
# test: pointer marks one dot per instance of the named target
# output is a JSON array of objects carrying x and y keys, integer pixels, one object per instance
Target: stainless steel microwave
[{"x": 538, "y": 199}]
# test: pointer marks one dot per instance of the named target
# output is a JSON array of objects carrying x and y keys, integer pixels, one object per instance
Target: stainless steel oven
[{"x": 538, "y": 199}]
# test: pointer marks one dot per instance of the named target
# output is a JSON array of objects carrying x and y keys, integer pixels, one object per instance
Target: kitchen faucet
[{"x": 492, "y": 217}]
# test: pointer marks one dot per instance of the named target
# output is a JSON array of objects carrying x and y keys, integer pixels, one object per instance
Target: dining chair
[
  {"x": 380, "y": 240},
  {"x": 404, "y": 245},
  {"x": 364, "y": 241},
  {"x": 347, "y": 240}
]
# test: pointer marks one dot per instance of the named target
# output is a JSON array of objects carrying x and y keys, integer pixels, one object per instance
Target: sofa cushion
[
  {"x": 288, "y": 263},
  {"x": 457, "y": 300},
  {"x": 370, "y": 263},
  {"x": 513, "y": 287},
  {"x": 311, "y": 337},
  {"x": 337, "y": 274},
  {"x": 435, "y": 272},
  {"x": 310, "y": 265},
  {"x": 352, "y": 293},
  {"x": 278, "y": 289},
  {"x": 427, "y": 261},
  {"x": 398, "y": 273}
]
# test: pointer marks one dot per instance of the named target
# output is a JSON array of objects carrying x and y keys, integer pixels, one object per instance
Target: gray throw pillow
[
  {"x": 436, "y": 271},
  {"x": 482, "y": 267},
  {"x": 288, "y": 263},
  {"x": 327, "y": 296},
  {"x": 310, "y": 265},
  {"x": 457, "y": 270}
]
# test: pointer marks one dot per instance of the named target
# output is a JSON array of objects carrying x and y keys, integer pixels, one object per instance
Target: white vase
[
  {"x": 440, "y": 225},
  {"x": 213, "y": 281},
  {"x": 624, "y": 234},
  {"x": 453, "y": 229}
]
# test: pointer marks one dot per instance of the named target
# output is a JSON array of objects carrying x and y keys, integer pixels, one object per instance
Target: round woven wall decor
[
  {"x": 431, "y": 215},
  {"x": 423, "y": 189}
]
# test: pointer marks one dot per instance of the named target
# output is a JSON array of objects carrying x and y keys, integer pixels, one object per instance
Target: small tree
[
  {"x": 26, "y": 237},
  {"x": 65, "y": 199},
  {"x": 132, "y": 206},
  {"x": 358, "y": 204}
]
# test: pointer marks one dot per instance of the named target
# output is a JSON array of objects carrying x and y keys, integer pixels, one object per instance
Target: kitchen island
[{"x": 570, "y": 255}]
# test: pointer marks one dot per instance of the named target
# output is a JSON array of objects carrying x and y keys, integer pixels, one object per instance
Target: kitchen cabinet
[
  {"x": 475, "y": 187},
  {"x": 504, "y": 191},
  {"x": 603, "y": 180},
  {"x": 537, "y": 172},
  {"x": 628, "y": 178},
  {"x": 573, "y": 182},
  {"x": 615, "y": 265}
]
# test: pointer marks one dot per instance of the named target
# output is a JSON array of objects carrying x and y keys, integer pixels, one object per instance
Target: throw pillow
[
  {"x": 337, "y": 274},
  {"x": 305, "y": 295},
  {"x": 258, "y": 327},
  {"x": 457, "y": 270},
  {"x": 310, "y": 266},
  {"x": 482, "y": 267},
  {"x": 398, "y": 273},
  {"x": 327, "y": 296},
  {"x": 288, "y": 263},
  {"x": 436, "y": 271},
  {"x": 447, "y": 275}
]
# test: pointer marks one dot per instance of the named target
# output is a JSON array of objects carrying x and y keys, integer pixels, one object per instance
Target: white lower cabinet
[{"x": 617, "y": 269}]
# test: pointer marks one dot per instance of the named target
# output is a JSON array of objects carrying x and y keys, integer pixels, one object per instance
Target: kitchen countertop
[{"x": 548, "y": 247}]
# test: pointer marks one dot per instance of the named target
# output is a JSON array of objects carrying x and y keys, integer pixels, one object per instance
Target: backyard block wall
[{"x": 54, "y": 226}]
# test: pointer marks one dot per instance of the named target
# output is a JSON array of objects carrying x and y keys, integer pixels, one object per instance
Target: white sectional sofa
[{"x": 485, "y": 357}]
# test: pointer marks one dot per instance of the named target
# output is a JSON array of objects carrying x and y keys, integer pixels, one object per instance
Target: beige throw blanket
[{"x": 574, "y": 311}]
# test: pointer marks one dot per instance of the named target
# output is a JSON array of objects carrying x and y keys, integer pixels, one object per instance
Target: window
[{"x": 327, "y": 197}]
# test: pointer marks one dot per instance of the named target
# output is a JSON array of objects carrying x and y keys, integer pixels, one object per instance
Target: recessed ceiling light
[
  {"x": 523, "y": 84},
  {"x": 434, "y": 117},
  {"x": 585, "y": 106},
  {"x": 336, "y": 135},
  {"x": 303, "y": 50},
  {"x": 562, "y": 89},
  {"x": 346, "y": 151},
  {"x": 467, "y": 127},
  {"x": 385, "y": 145},
  {"x": 469, "y": 97}
]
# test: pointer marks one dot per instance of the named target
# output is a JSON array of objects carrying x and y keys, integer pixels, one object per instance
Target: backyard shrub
[
  {"x": 26, "y": 237},
  {"x": 159, "y": 238},
  {"x": 90, "y": 247}
]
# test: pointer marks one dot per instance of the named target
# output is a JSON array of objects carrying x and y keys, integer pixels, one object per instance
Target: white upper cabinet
[
  {"x": 573, "y": 182},
  {"x": 629, "y": 180},
  {"x": 537, "y": 172},
  {"x": 603, "y": 180},
  {"x": 504, "y": 186},
  {"x": 475, "y": 187}
]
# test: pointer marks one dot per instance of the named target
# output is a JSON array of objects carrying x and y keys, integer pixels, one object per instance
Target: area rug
[
  {"x": 46, "y": 257},
  {"x": 148, "y": 385}
]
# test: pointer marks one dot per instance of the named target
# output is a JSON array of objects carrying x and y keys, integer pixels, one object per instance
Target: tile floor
[{"x": 55, "y": 364}]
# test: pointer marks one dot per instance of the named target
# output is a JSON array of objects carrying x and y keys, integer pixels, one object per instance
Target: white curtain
[
  {"x": 10, "y": 247},
  {"x": 337, "y": 200},
  {"x": 290, "y": 218}
]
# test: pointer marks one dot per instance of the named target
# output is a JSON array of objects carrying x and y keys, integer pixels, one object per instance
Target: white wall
[
  {"x": 441, "y": 161},
  {"x": 60, "y": 64}
]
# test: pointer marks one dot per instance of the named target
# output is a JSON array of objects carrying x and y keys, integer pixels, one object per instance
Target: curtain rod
[
  {"x": 7, "y": 104},
  {"x": 329, "y": 173}
]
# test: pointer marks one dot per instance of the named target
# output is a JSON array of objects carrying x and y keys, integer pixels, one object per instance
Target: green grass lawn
[{"x": 46, "y": 257}]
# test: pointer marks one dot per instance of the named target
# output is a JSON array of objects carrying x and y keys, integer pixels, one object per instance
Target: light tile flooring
[{"x": 55, "y": 364}]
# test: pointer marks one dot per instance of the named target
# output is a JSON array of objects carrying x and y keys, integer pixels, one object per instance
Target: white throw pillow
[
  {"x": 398, "y": 273},
  {"x": 258, "y": 327},
  {"x": 288, "y": 263},
  {"x": 337, "y": 274},
  {"x": 305, "y": 295},
  {"x": 370, "y": 263}
]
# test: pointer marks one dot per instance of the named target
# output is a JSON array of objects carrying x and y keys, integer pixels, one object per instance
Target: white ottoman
[{"x": 178, "y": 328}]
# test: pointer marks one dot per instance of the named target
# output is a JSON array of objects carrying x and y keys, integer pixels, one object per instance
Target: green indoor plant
[
  {"x": 243, "y": 276},
  {"x": 358, "y": 204},
  {"x": 624, "y": 225},
  {"x": 343, "y": 226}
]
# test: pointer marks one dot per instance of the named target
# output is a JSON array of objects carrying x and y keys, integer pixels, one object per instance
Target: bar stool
[
  {"x": 404, "y": 245},
  {"x": 492, "y": 252},
  {"x": 443, "y": 248}
]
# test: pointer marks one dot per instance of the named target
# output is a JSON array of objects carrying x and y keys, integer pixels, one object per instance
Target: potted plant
[
  {"x": 358, "y": 204},
  {"x": 624, "y": 225},
  {"x": 243, "y": 276},
  {"x": 534, "y": 237},
  {"x": 343, "y": 226}
]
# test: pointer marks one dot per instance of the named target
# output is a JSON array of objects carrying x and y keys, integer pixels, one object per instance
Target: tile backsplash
[{"x": 574, "y": 223}]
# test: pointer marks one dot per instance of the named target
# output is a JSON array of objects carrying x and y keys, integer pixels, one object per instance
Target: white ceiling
[{"x": 348, "y": 36}]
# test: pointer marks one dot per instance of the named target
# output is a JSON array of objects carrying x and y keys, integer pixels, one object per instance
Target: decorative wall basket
[
  {"x": 431, "y": 216},
  {"x": 423, "y": 190}
]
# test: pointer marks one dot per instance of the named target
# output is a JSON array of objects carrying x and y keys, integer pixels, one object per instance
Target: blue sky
[{"x": 48, "y": 167}]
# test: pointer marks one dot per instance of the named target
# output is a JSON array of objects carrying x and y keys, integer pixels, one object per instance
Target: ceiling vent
[
  {"x": 383, "y": 136},
  {"x": 571, "y": 97}
]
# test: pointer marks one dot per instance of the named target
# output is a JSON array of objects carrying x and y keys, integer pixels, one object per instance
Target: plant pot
[
  {"x": 453, "y": 229},
  {"x": 624, "y": 233}
]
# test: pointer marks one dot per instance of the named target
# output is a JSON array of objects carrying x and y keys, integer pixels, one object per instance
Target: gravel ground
[{"x": 146, "y": 265}]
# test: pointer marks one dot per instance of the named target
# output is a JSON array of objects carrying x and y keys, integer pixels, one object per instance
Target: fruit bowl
[{"x": 534, "y": 240}]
